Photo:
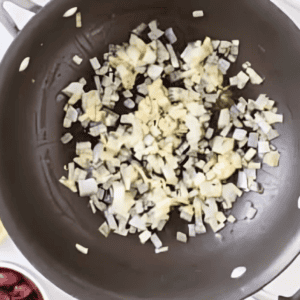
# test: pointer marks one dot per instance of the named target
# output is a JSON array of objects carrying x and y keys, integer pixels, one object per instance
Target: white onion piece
[
  {"x": 198, "y": 13},
  {"x": 104, "y": 229},
  {"x": 223, "y": 65},
  {"x": 156, "y": 241},
  {"x": 161, "y": 250},
  {"x": 139, "y": 29},
  {"x": 82, "y": 249},
  {"x": 70, "y": 12},
  {"x": 254, "y": 77},
  {"x": 95, "y": 63},
  {"x": 174, "y": 59},
  {"x": 181, "y": 237},
  {"x": 263, "y": 147},
  {"x": 231, "y": 219},
  {"x": 192, "y": 231},
  {"x": 66, "y": 138},
  {"x": 24, "y": 64},
  {"x": 78, "y": 20},
  {"x": 250, "y": 154},
  {"x": 154, "y": 71},
  {"x": 239, "y": 134},
  {"x": 87, "y": 187},
  {"x": 78, "y": 60},
  {"x": 169, "y": 33},
  {"x": 238, "y": 272},
  {"x": 129, "y": 103},
  {"x": 144, "y": 236}
]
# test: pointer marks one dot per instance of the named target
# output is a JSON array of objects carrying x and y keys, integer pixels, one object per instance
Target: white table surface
[{"x": 286, "y": 284}]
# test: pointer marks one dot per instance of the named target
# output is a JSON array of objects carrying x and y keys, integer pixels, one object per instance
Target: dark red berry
[
  {"x": 8, "y": 278},
  {"x": 4, "y": 296},
  {"x": 20, "y": 291}
]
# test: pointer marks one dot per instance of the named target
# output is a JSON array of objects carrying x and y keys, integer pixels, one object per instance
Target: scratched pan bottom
[{"x": 46, "y": 220}]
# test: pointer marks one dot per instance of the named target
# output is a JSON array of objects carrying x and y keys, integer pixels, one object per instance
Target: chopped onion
[
  {"x": 162, "y": 249},
  {"x": 87, "y": 187},
  {"x": 174, "y": 59},
  {"x": 231, "y": 219},
  {"x": 72, "y": 114},
  {"x": 272, "y": 118},
  {"x": 224, "y": 118},
  {"x": 129, "y": 103},
  {"x": 93, "y": 207},
  {"x": 239, "y": 134},
  {"x": 95, "y": 63},
  {"x": 24, "y": 64},
  {"x": 253, "y": 140},
  {"x": 242, "y": 180},
  {"x": 144, "y": 236},
  {"x": 250, "y": 154},
  {"x": 263, "y": 147},
  {"x": 78, "y": 20},
  {"x": 198, "y": 13},
  {"x": 137, "y": 222},
  {"x": 156, "y": 241},
  {"x": 78, "y": 60},
  {"x": 66, "y": 138},
  {"x": 154, "y": 35},
  {"x": 169, "y": 33},
  {"x": 254, "y": 77},
  {"x": 139, "y": 29},
  {"x": 246, "y": 65},
  {"x": 70, "y": 12},
  {"x": 272, "y": 158},
  {"x": 192, "y": 231},
  {"x": 154, "y": 71},
  {"x": 69, "y": 184},
  {"x": 104, "y": 229},
  {"x": 215, "y": 44},
  {"x": 111, "y": 221},
  {"x": 132, "y": 230},
  {"x": 242, "y": 80},
  {"x": 181, "y": 237},
  {"x": 187, "y": 213},
  {"x": 223, "y": 65},
  {"x": 82, "y": 249}
]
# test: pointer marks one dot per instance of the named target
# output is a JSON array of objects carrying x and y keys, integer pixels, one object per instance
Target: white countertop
[{"x": 285, "y": 285}]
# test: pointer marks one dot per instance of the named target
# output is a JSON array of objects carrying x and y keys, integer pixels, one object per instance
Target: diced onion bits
[
  {"x": 198, "y": 13},
  {"x": 70, "y": 12},
  {"x": 82, "y": 249},
  {"x": 78, "y": 20},
  {"x": 67, "y": 138},
  {"x": 163, "y": 133},
  {"x": 162, "y": 249},
  {"x": 181, "y": 237},
  {"x": 24, "y": 64},
  {"x": 77, "y": 59}
]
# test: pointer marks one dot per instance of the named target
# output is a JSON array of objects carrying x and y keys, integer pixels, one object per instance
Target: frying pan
[{"x": 46, "y": 220}]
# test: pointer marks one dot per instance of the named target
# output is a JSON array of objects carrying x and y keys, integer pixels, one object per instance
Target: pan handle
[
  {"x": 295, "y": 297},
  {"x": 293, "y": 3},
  {"x": 8, "y": 21}
]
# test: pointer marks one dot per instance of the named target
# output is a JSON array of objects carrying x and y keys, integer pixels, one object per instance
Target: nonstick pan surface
[{"x": 46, "y": 220}]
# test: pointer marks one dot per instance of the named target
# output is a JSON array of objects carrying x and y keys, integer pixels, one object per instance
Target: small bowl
[{"x": 26, "y": 277}]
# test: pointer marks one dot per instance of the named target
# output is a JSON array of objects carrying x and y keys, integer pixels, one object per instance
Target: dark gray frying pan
[{"x": 46, "y": 220}]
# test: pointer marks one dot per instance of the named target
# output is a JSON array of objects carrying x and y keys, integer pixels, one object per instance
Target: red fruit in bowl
[
  {"x": 20, "y": 291},
  {"x": 4, "y": 296},
  {"x": 8, "y": 278}
]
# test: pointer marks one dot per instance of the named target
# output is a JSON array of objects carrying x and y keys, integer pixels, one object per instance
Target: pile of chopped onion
[{"x": 178, "y": 140}]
